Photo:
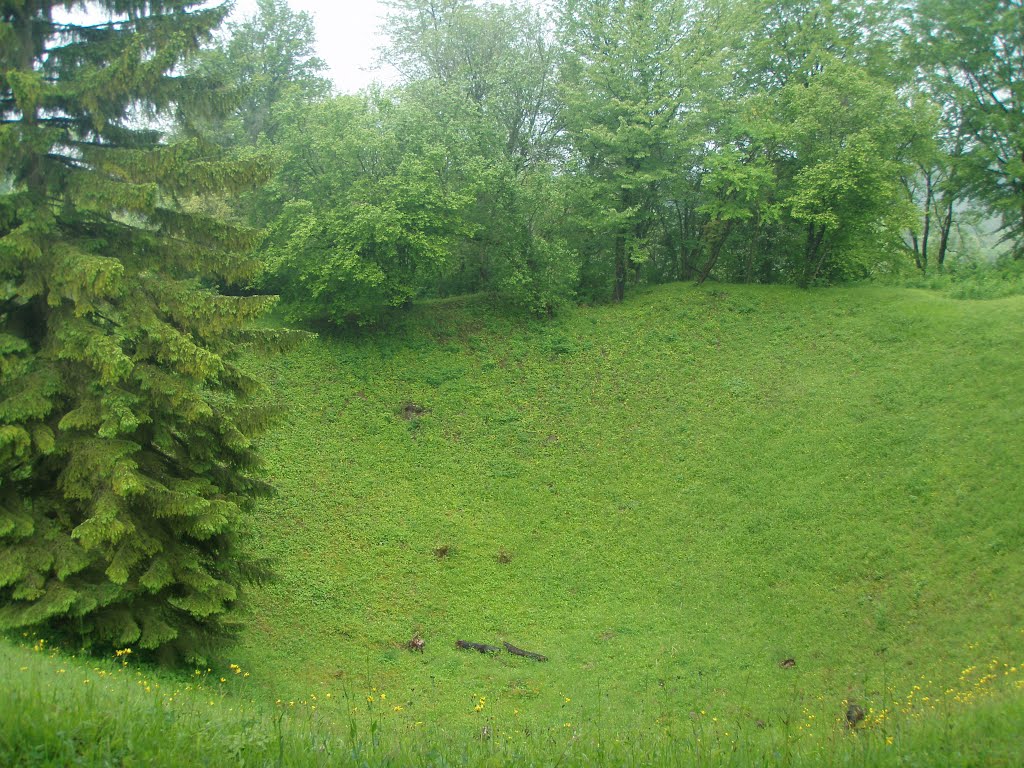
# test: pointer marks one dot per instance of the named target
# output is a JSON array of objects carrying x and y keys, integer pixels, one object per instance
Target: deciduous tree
[
  {"x": 973, "y": 51},
  {"x": 622, "y": 91}
]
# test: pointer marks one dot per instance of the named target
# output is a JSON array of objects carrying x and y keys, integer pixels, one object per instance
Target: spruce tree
[{"x": 127, "y": 462}]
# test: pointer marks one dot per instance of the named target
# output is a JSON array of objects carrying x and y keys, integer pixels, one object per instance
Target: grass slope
[
  {"x": 667, "y": 498},
  {"x": 687, "y": 488}
]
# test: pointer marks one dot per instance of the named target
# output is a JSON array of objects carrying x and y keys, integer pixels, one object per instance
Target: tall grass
[
  {"x": 58, "y": 710},
  {"x": 974, "y": 279}
]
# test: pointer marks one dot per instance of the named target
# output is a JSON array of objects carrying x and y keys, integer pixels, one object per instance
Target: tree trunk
[
  {"x": 688, "y": 262},
  {"x": 917, "y": 250},
  {"x": 715, "y": 252},
  {"x": 753, "y": 250},
  {"x": 923, "y": 261},
  {"x": 619, "y": 291},
  {"x": 680, "y": 266},
  {"x": 946, "y": 225},
  {"x": 811, "y": 256},
  {"x": 929, "y": 198}
]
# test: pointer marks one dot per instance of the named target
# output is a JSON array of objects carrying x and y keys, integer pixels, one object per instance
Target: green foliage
[
  {"x": 440, "y": 186},
  {"x": 621, "y": 86},
  {"x": 851, "y": 138},
  {"x": 265, "y": 61},
  {"x": 971, "y": 52},
  {"x": 767, "y": 141},
  {"x": 572, "y": 151},
  {"x": 498, "y": 56},
  {"x": 975, "y": 279},
  {"x": 127, "y": 462},
  {"x": 374, "y": 194},
  {"x": 818, "y": 108}
]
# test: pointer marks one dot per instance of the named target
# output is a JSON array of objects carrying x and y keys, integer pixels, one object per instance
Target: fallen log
[
  {"x": 527, "y": 654},
  {"x": 481, "y": 647}
]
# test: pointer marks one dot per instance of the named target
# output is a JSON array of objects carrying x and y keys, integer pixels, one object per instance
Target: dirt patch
[{"x": 412, "y": 411}]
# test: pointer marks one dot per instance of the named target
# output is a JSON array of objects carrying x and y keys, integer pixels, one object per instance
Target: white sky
[{"x": 348, "y": 36}]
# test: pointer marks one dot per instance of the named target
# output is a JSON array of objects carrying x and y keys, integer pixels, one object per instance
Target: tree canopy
[{"x": 570, "y": 152}]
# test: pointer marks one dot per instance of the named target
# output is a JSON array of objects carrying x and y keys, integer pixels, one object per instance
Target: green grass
[
  {"x": 973, "y": 279},
  {"x": 691, "y": 487},
  {"x": 59, "y": 711},
  {"x": 687, "y": 489}
]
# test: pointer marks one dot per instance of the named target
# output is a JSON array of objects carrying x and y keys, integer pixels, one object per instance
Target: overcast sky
[{"x": 347, "y": 33}]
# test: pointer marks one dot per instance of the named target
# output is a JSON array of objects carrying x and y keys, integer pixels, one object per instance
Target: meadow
[{"x": 723, "y": 514}]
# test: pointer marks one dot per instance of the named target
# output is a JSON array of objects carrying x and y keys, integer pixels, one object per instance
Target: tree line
[
  {"x": 565, "y": 154},
  {"x": 160, "y": 179}
]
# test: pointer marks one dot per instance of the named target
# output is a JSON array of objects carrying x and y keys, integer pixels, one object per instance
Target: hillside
[
  {"x": 668, "y": 499},
  {"x": 687, "y": 489}
]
